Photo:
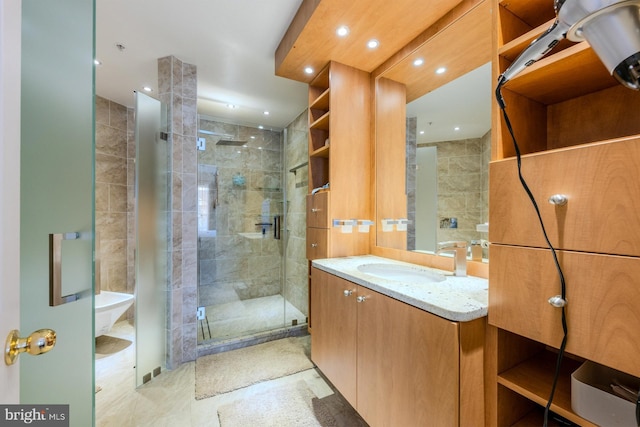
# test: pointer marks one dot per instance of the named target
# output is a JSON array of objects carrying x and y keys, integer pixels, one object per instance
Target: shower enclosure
[{"x": 242, "y": 237}]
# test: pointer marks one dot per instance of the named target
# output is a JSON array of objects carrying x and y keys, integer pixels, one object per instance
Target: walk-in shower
[{"x": 242, "y": 236}]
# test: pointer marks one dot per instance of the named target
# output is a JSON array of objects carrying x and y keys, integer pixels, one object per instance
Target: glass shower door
[{"x": 241, "y": 233}]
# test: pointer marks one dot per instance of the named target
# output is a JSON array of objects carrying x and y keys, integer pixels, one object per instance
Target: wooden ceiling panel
[
  {"x": 311, "y": 39},
  {"x": 459, "y": 48}
]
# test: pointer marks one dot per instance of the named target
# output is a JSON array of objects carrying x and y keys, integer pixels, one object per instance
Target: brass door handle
[{"x": 39, "y": 342}]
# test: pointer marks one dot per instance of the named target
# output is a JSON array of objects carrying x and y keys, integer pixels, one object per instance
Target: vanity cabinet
[
  {"x": 578, "y": 133},
  {"x": 394, "y": 363}
]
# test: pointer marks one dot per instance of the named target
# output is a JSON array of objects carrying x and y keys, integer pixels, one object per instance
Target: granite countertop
[{"x": 459, "y": 299}]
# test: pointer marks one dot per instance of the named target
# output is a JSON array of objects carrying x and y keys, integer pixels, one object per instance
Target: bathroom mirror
[{"x": 433, "y": 139}]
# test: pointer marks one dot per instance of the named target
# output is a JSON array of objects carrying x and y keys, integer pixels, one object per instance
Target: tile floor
[{"x": 169, "y": 399}]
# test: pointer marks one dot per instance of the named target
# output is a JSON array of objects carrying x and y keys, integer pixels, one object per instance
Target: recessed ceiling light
[
  {"x": 96, "y": 62},
  {"x": 260, "y": 127},
  {"x": 456, "y": 128},
  {"x": 253, "y": 137},
  {"x": 266, "y": 113},
  {"x": 342, "y": 31},
  {"x": 308, "y": 70},
  {"x": 418, "y": 62},
  {"x": 147, "y": 89},
  {"x": 259, "y": 148},
  {"x": 231, "y": 106},
  {"x": 373, "y": 43},
  {"x": 421, "y": 132},
  {"x": 441, "y": 70}
]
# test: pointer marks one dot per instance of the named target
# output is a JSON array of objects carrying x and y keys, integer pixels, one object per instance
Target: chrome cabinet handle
[
  {"x": 314, "y": 245},
  {"x": 361, "y": 299},
  {"x": 557, "y": 301},
  {"x": 558, "y": 199},
  {"x": 314, "y": 210},
  {"x": 347, "y": 293}
]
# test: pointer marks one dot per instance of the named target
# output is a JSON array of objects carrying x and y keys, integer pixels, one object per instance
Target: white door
[
  {"x": 9, "y": 193},
  {"x": 47, "y": 177}
]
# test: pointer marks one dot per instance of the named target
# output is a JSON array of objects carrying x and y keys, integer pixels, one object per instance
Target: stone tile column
[{"x": 177, "y": 87}]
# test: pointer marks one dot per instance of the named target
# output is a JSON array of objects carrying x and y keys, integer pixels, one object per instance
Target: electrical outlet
[{"x": 200, "y": 313}]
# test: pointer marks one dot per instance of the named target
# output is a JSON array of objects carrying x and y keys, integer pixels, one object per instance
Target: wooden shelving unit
[
  {"x": 565, "y": 106},
  {"x": 339, "y": 154}
]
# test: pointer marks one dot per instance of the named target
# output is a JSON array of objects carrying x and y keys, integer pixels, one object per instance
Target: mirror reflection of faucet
[{"x": 459, "y": 249}]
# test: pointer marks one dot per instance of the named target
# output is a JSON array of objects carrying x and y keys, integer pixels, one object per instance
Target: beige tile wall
[
  {"x": 463, "y": 186},
  {"x": 112, "y": 202},
  {"x": 251, "y": 267},
  {"x": 177, "y": 88}
]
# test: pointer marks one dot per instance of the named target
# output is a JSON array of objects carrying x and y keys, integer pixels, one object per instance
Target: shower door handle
[
  {"x": 55, "y": 269},
  {"x": 276, "y": 226}
]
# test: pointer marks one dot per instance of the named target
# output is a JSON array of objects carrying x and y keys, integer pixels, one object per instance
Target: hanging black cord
[{"x": 553, "y": 251}]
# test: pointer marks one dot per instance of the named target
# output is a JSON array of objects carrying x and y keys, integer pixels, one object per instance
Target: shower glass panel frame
[{"x": 241, "y": 254}]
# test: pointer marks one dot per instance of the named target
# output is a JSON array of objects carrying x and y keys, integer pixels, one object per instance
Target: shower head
[
  {"x": 225, "y": 138},
  {"x": 231, "y": 142}
]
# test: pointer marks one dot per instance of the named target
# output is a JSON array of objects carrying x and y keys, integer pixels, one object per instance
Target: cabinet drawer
[
  {"x": 317, "y": 243},
  {"x": 603, "y": 296},
  {"x": 602, "y": 183},
  {"x": 318, "y": 210}
]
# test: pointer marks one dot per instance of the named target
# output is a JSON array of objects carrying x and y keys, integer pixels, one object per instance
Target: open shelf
[
  {"x": 529, "y": 12},
  {"x": 573, "y": 72},
  {"x": 536, "y": 418},
  {"x": 320, "y": 152},
  {"x": 321, "y": 123},
  {"x": 322, "y": 101},
  {"x": 513, "y": 48},
  {"x": 533, "y": 378},
  {"x": 319, "y": 87}
]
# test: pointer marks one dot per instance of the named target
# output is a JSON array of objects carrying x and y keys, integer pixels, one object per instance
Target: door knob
[{"x": 39, "y": 342}]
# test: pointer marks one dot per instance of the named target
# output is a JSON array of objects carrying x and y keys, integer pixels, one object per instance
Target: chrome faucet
[{"x": 460, "y": 259}]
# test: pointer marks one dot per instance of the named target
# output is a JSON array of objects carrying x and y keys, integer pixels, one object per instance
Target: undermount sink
[{"x": 403, "y": 273}]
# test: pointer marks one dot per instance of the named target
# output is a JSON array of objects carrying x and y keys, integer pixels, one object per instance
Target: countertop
[{"x": 460, "y": 299}]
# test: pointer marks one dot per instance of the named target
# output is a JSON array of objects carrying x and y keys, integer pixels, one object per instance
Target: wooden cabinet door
[
  {"x": 333, "y": 342},
  {"x": 318, "y": 210},
  {"x": 602, "y": 184},
  {"x": 602, "y": 302},
  {"x": 317, "y": 243},
  {"x": 408, "y": 364}
]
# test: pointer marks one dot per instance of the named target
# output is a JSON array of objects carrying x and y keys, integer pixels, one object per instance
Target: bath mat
[
  {"x": 225, "y": 372},
  {"x": 107, "y": 345},
  {"x": 289, "y": 405}
]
